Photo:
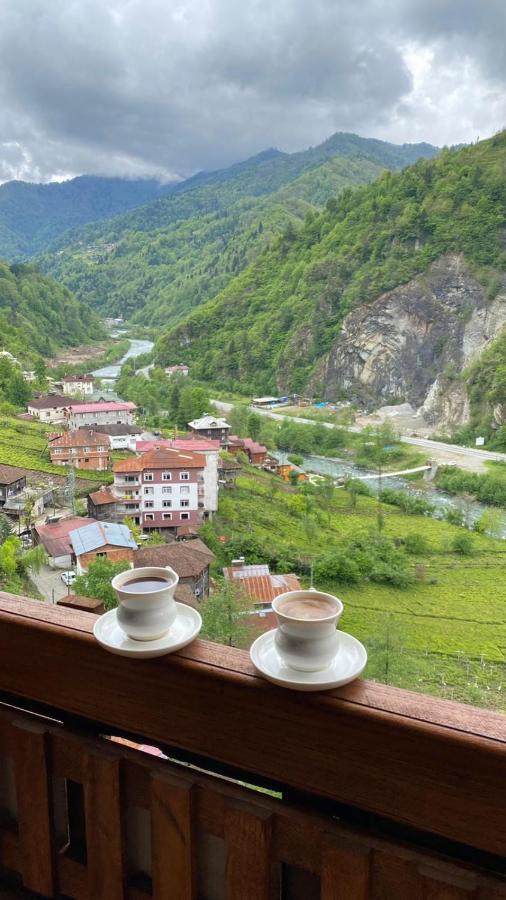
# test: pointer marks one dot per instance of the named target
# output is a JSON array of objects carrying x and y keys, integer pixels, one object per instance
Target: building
[
  {"x": 83, "y": 449},
  {"x": 102, "y": 505},
  {"x": 55, "y": 538},
  {"x": 78, "y": 385},
  {"x": 104, "y": 413},
  {"x": 209, "y": 449},
  {"x": 163, "y": 488},
  {"x": 120, "y": 437},
  {"x": 211, "y": 427},
  {"x": 101, "y": 540},
  {"x": 177, "y": 370},
  {"x": 190, "y": 559},
  {"x": 255, "y": 452},
  {"x": 259, "y": 584},
  {"x": 228, "y": 470},
  {"x": 49, "y": 407},
  {"x": 12, "y": 482}
]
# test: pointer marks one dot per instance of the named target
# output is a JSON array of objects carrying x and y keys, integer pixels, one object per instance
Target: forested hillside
[
  {"x": 272, "y": 325},
  {"x": 37, "y": 315},
  {"x": 33, "y": 215},
  {"x": 157, "y": 262}
]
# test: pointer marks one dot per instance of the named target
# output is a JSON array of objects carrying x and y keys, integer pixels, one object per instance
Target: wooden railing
[{"x": 373, "y": 792}]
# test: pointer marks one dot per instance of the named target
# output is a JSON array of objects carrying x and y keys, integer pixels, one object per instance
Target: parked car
[{"x": 68, "y": 578}]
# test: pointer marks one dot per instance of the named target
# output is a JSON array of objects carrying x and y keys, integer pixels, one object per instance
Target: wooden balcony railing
[{"x": 375, "y": 792}]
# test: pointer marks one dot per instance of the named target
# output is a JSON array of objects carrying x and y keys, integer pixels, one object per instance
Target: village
[{"x": 156, "y": 494}]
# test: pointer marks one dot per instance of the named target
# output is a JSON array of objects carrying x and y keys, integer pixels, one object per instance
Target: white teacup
[
  {"x": 306, "y": 638},
  {"x": 146, "y": 605}
]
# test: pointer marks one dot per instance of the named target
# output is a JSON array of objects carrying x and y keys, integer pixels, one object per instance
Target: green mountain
[
  {"x": 33, "y": 215},
  {"x": 37, "y": 315},
  {"x": 156, "y": 262},
  {"x": 277, "y": 326}
]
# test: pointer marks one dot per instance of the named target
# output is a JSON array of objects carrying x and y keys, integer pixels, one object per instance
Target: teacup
[
  {"x": 146, "y": 605},
  {"x": 306, "y": 638}
]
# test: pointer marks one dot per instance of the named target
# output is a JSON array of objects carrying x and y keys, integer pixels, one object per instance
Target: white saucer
[
  {"x": 348, "y": 663},
  {"x": 183, "y": 630}
]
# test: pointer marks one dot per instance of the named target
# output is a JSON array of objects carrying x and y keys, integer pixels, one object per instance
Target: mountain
[
  {"x": 393, "y": 286},
  {"x": 33, "y": 215},
  {"x": 156, "y": 262},
  {"x": 37, "y": 315}
]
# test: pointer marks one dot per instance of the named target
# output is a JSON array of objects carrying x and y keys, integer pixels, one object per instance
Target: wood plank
[
  {"x": 36, "y": 838},
  {"x": 345, "y": 870},
  {"x": 104, "y": 828},
  {"x": 439, "y": 890},
  {"x": 249, "y": 866},
  {"x": 395, "y": 876},
  {"x": 342, "y": 749},
  {"x": 173, "y": 850}
]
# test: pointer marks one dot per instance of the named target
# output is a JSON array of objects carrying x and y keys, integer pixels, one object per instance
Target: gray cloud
[{"x": 164, "y": 87}]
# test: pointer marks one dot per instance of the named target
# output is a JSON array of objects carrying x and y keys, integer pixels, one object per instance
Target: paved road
[
  {"x": 466, "y": 457},
  {"x": 49, "y": 584}
]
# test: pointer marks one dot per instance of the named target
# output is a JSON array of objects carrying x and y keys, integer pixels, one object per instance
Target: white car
[{"x": 68, "y": 578}]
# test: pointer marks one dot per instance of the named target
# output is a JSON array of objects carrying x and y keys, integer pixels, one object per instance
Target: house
[
  {"x": 120, "y": 437},
  {"x": 101, "y": 540},
  {"x": 83, "y": 449},
  {"x": 256, "y": 453},
  {"x": 78, "y": 385},
  {"x": 104, "y": 413},
  {"x": 210, "y": 427},
  {"x": 55, "y": 538},
  {"x": 177, "y": 370},
  {"x": 228, "y": 470},
  {"x": 12, "y": 482},
  {"x": 49, "y": 407},
  {"x": 210, "y": 451},
  {"x": 259, "y": 584},
  {"x": 162, "y": 488},
  {"x": 190, "y": 559},
  {"x": 102, "y": 505}
]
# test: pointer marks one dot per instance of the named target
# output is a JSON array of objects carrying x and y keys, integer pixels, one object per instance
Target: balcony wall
[{"x": 375, "y": 792}]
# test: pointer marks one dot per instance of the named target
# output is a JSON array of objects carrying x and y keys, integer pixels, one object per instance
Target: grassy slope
[
  {"x": 24, "y": 444},
  {"x": 280, "y": 316},
  {"x": 446, "y": 638}
]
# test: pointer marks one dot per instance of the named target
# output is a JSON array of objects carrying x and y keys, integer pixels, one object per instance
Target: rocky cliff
[{"x": 413, "y": 342}]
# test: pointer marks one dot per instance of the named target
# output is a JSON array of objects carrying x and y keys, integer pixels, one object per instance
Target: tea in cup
[
  {"x": 306, "y": 638},
  {"x": 146, "y": 605}
]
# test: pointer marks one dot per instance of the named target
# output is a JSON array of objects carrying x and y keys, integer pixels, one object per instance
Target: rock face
[{"x": 412, "y": 343}]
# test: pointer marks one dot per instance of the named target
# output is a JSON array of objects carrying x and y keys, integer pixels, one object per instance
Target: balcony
[{"x": 375, "y": 792}]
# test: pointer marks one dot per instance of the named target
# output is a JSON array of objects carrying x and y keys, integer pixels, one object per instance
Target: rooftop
[
  {"x": 209, "y": 422},
  {"x": 101, "y": 534},
  {"x": 187, "y": 558},
  {"x": 163, "y": 458},
  {"x": 102, "y": 496},
  {"x": 114, "y": 430},
  {"x": 105, "y": 406},
  {"x": 55, "y": 536},
  {"x": 49, "y": 401},
  {"x": 10, "y": 474},
  {"x": 69, "y": 379},
  {"x": 199, "y": 445},
  {"x": 78, "y": 438},
  {"x": 259, "y": 584}
]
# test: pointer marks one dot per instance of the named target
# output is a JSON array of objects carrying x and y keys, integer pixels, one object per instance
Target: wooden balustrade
[{"x": 376, "y": 792}]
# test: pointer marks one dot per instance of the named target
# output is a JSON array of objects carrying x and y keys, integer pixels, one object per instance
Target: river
[
  {"x": 339, "y": 468},
  {"x": 137, "y": 348}
]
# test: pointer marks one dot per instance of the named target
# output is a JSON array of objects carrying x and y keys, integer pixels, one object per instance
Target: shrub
[
  {"x": 463, "y": 543},
  {"x": 296, "y": 459},
  {"x": 416, "y": 543}
]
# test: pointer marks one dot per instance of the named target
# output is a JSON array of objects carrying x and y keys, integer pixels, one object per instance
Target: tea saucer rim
[
  {"x": 148, "y": 649},
  {"x": 307, "y": 681}
]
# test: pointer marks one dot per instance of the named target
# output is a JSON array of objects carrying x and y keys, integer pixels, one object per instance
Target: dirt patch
[{"x": 78, "y": 355}]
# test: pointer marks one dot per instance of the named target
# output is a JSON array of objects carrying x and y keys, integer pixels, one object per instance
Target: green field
[
  {"x": 24, "y": 444},
  {"x": 445, "y": 634}
]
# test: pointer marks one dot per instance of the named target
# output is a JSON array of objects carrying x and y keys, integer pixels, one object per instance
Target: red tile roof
[
  {"x": 163, "y": 458},
  {"x": 105, "y": 406},
  {"x": 101, "y": 497},
  {"x": 70, "y": 379},
  {"x": 55, "y": 536},
  {"x": 79, "y": 438},
  {"x": 187, "y": 558},
  {"x": 260, "y": 587},
  {"x": 198, "y": 445}
]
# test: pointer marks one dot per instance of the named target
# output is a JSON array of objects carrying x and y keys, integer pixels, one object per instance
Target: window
[
  {"x": 101, "y": 555},
  {"x": 130, "y": 478},
  {"x": 185, "y": 515},
  {"x": 167, "y": 516},
  {"x": 149, "y": 504},
  {"x": 166, "y": 490},
  {"x": 86, "y": 449},
  {"x": 56, "y": 451},
  {"x": 185, "y": 489},
  {"x": 73, "y": 450},
  {"x": 148, "y": 476},
  {"x": 149, "y": 517},
  {"x": 166, "y": 476},
  {"x": 185, "y": 503},
  {"x": 166, "y": 504},
  {"x": 100, "y": 449},
  {"x": 149, "y": 491},
  {"x": 184, "y": 476}
]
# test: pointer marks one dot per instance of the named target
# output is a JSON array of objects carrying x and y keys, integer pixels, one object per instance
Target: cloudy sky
[{"x": 167, "y": 87}]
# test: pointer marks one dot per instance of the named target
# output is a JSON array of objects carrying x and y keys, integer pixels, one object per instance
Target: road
[
  {"x": 49, "y": 584},
  {"x": 465, "y": 457}
]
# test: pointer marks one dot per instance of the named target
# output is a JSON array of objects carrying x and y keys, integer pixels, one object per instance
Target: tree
[
  {"x": 225, "y": 618},
  {"x": 254, "y": 425},
  {"x": 491, "y": 522},
  {"x": 5, "y": 528},
  {"x": 96, "y": 582}
]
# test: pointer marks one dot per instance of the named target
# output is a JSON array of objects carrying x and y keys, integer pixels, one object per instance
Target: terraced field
[
  {"x": 445, "y": 634},
  {"x": 24, "y": 444}
]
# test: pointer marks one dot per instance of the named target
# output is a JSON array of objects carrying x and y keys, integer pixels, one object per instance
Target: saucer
[
  {"x": 183, "y": 630},
  {"x": 348, "y": 663}
]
